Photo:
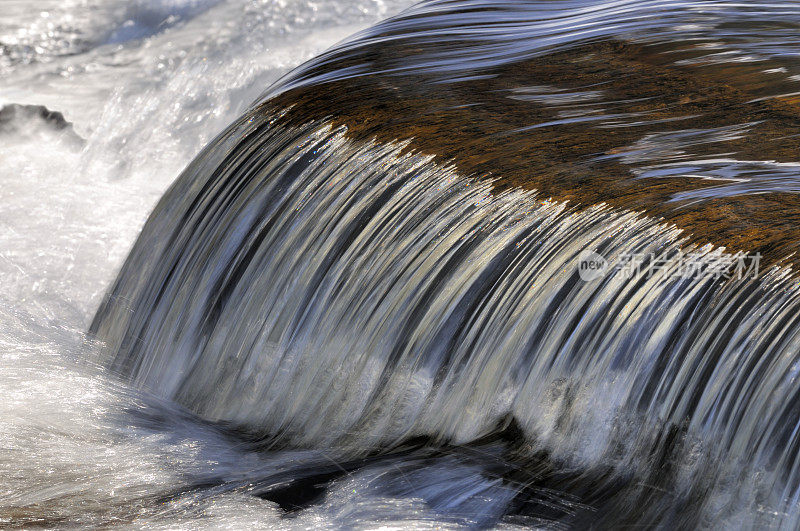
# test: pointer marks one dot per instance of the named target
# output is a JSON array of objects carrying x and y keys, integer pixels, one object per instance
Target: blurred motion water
[
  {"x": 144, "y": 86},
  {"x": 359, "y": 304}
]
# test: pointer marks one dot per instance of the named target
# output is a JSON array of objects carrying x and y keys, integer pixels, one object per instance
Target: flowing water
[{"x": 360, "y": 304}]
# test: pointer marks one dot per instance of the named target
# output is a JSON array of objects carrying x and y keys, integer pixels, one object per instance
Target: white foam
[{"x": 68, "y": 216}]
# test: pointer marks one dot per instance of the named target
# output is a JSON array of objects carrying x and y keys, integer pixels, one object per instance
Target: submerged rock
[{"x": 25, "y": 121}]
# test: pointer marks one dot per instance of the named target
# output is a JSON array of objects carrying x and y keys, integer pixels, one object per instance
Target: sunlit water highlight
[{"x": 318, "y": 301}]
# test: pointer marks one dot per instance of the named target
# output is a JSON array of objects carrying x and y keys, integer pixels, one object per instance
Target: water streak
[{"x": 317, "y": 292}]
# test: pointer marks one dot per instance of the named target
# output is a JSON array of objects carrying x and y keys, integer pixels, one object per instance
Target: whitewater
[
  {"x": 246, "y": 282},
  {"x": 144, "y": 86}
]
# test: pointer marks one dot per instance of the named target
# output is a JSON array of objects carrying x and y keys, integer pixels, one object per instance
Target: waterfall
[
  {"x": 311, "y": 288},
  {"x": 318, "y": 292}
]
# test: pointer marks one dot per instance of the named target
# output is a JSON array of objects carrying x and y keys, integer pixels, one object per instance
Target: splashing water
[
  {"x": 369, "y": 297},
  {"x": 353, "y": 332}
]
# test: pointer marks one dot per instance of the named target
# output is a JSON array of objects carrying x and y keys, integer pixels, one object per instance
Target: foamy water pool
[{"x": 144, "y": 86}]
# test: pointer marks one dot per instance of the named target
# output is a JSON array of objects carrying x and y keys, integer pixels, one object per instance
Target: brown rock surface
[{"x": 568, "y": 123}]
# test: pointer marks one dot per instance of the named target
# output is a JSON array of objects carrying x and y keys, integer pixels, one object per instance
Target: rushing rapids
[{"x": 376, "y": 268}]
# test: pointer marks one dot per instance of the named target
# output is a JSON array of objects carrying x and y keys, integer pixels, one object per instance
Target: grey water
[{"x": 317, "y": 331}]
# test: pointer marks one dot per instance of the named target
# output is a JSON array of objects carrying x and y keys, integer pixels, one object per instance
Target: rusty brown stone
[{"x": 477, "y": 125}]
